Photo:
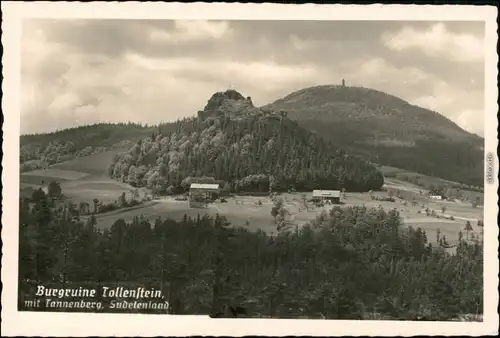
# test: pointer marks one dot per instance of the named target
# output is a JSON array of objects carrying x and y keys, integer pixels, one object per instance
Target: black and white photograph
[{"x": 282, "y": 170}]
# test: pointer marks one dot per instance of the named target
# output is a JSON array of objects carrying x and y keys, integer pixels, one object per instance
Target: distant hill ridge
[
  {"x": 42, "y": 150},
  {"x": 369, "y": 104},
  {"x": 387, "y": 130}
]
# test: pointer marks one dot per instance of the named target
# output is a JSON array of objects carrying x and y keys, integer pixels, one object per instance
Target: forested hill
[
  {"x": 251, "y": 149},
  {"x": 387, "y": 130},
  {"x": 42, "y": 150}
]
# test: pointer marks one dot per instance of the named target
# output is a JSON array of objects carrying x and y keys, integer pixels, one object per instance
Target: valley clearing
[{"x": 84, "y": 179}]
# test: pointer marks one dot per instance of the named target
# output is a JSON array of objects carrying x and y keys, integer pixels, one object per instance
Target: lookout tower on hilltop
[{"x": 343, "y": 82}]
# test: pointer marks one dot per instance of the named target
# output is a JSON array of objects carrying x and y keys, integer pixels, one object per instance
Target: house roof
[
  {"x": 326, "y": 193},
  {"x": 204, "y": 186}
]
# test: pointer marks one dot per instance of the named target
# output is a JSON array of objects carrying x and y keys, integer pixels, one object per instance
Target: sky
[{"x": 77, "y": 72}]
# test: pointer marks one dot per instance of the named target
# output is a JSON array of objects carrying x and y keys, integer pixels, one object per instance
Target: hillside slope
[
  {"x": 42, "y": 150},
  {"x": 387, "y": 130},
  {"x": 252, "y": 150}
]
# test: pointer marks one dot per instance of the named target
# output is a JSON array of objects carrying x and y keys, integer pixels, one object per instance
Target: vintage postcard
[{"x": 207, "y": 169}]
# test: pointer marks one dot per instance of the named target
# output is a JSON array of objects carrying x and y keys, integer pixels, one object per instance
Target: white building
[
  {"x": 203, "y": 192},
  {"x": 204, "y": 186},
  {"x": 332, "y": 195}
]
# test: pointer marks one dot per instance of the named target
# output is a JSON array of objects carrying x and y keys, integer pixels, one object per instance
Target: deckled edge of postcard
[{"x": 59, "y": 324}]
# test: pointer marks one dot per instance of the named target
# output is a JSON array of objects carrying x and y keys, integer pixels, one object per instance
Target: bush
[
  {"x": 107, "y": 207},
  {"x": 133, "y": 202}
]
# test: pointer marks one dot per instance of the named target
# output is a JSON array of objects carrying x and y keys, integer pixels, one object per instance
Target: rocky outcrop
[{"x": 229, "y": 103}]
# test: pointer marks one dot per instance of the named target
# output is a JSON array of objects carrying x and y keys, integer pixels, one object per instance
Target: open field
[
  {"x": 85, "y": 178},
  {"x": 461, "y": 212},
  {"x": 244, "y": 211},
  {"x": 96, "y": 164},
  {"x": 389, "y": 171},
  {"x": 102, "y": 188},
  {"x": 239, "y": 210},
  {"x": 401, "y": 175},
  {"x": 81, "y": 179},
  {"x": 257, "y": 217},
  {"x": 54, "y": 173}
]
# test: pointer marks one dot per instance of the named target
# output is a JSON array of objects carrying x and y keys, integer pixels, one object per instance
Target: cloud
[
  {"x": 460, "y": 104},
  {"x": 463, "y": 106},
  {"x": 150, "y": 71},
  {"x": 437, "y": 41},
  {"x": 375, "y": 71},
  {"x": 267, "y": 74},
  {"x": 85, "y": 88},
  {"x": 301, "y": 44},
  {"x": 472, "y": 120},
  {"x": 186, "y": 31},
  {"x": 435, "y": 103}
]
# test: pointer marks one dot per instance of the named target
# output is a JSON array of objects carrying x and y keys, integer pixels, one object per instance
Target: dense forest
[
  {"x": 387, "y": 130},
  {"x": 353, "y": 263},
  {"x": 251, "y": 149}
]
